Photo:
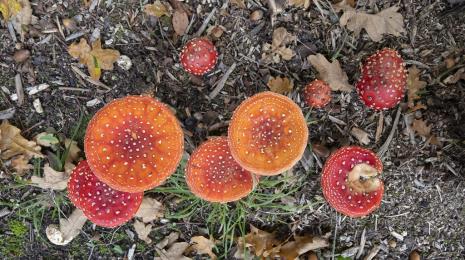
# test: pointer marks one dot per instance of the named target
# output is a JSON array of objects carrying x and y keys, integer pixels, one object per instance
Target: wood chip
[
  {"x": 19, "y": 89},
  {"x": 361, "y": 135}
]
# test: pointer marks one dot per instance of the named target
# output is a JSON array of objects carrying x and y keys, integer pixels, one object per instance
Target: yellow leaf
[
  {"x": 331, "y": 73},
  {"x": 12, "y": 143},
  {"x": 301, "y": 245},
  {"x": 9, "y": 8},
  {"x": 280, "y": 85},
  {"x": 157, "y": 9},
  {"x": 150, "y": 209},
  {"x": 203, "y": 245},
  {"x": 414, "y": 85},
  {"x": 388, "y": 21},
  {"x": 300, "y": 3}
]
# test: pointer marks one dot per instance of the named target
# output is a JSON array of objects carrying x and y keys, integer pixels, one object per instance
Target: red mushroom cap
[
  {"x": 198, "y": 56},
  {"x": 101, "y": 204},
  {"x": 350, "y": 181},
  {"x": 213, "y": 175},
  {"x": 134, "y": 143},
  {"x": 383, "y": 81},
  {"x": 317, "y": 94},
  {"x": 267, "y": 134}
]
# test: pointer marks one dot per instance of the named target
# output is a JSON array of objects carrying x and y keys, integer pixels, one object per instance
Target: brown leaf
[
  {"x": 168, "y": 240},
  {"x": 344, "y": 5},
  {"x": 262, "y": 242},
  {"x": 301, "y": 245},
  {"x": 421, "y": 128},
  {"x": 73, "y": 152},
  {"x": 180, "y": 22},
  {"x": 12, "y": 143},
  {"x": 157, "y": 9},
  {"x": 388, "y": 21},
  {"x": 96, "y": 58},
  {"x": 21, "y": 164},
  {"x": 300, "y": 3},
  {"x": 330, "y": 72},
  {"x": 203, "y": 245},
  {"x": 68, "y": 230},
  {"x": 175, "y": 251},
  {"x": 454, "y": 78},
  {"x": 277, "y": 50},
  {"x": 238, "y": 3},
  {"x": 150, "y": 209},
  {"x": 280, "y": 85},
  {"x": 361, "y": 135},
  {"x": 52, "y": 179},
  {"x": 143, "y": 231},
  {"x": 414, "y": 85}
]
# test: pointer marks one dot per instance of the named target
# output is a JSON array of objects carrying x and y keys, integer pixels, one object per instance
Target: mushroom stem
[{"x": 363, "y": 178}]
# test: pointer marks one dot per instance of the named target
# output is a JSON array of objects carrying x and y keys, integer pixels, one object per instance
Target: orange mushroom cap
[
  {"x": 213, "y": 175},
  {"x": 134, "y": 143},
  {"x": 267, "y": 134}
]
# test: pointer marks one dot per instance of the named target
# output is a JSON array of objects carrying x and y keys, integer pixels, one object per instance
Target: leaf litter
[
  {"x": 277, "y": 50},
  {"x": 331, "y": 73}
]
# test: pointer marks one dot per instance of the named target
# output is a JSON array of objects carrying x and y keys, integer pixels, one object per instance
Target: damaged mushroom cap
[
  {"x": 198, "y": 56},
  {"x": 100, "y": 203},
  {"x": 351, "y": 183},
  {"x": 383, "y": 80},
  {"x": 213, "y": 175},
  {"x": 267, "y": 134},
  {"x": 317, "y": 94},
  {"x": 134, "y": 143}
]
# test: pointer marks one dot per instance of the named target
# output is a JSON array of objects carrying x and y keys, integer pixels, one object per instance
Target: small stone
[
  {"x": 124, "y": 62},
  {"x": 38, "y": 106},
  {"x": 256, "y": 15}
]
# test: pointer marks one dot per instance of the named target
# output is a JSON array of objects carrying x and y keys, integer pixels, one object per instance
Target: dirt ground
[{"x": 422, "y": 208}]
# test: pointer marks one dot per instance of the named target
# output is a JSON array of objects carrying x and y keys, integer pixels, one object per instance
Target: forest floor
[{"x": 424, "y": 169}]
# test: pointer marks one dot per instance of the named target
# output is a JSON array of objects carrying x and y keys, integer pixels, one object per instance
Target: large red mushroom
[
  {"x": 383, "y": 80},
  {"x": 134, "y": 143},
  {"x": 351, "y": 181},
  {"x": 213, "y": 175},
  {"x": 267, "y": 134},
  {"x": 100, "y": 203}
]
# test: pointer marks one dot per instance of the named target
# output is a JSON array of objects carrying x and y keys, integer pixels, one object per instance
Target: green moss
[{"x": 12, "y": 243}]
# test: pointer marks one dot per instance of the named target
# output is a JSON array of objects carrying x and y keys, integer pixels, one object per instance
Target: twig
[
  {"x": 74, "y": 89},
  {"x": 89, "y": 79},
  {"x": 19, "y": 89},
  {"x": 218, "y": 126},
  {"x": 334, "y": 238},
  {"x": 382, "y": 150},
  {"x": 205, "y": 23},
  {"x": 222, "y": 81}
]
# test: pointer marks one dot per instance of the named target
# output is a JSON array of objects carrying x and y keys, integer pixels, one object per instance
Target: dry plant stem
[
  {"x": 363, "y": 178},
  {"x": 383, "y": 149},
  {"x": 222, "y": 81},
  {"x": 205, "y": 23}
]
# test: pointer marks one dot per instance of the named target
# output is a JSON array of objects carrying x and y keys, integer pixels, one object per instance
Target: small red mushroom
[
  {"x": 317, "y": 94},
  {"x": 134, "y": 143},
  {"x": 383, "y": 80},
  {"x": 198, "y": 56},
  {"x": 213, "y": 175},
  {"x": 267, "y": 134},
  {"x": 101, "y": 204},
  {"x": 351, "y": 181}
]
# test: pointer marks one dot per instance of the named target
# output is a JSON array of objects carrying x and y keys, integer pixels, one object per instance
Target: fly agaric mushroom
[
  {"x": 101, "y": 204},
  {"x": 351, "y": 183},
  {"x": 383, "y": 81},
  {"x": 317, "y": 94},
  {"x": 267, "y": 134},
  {"x": 213, "y": 175},
  {"x": 134, "y": 143},
  {"x": 198, "y": 56}
]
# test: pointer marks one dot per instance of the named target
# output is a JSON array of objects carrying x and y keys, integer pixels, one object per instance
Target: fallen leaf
[
  {"x": 301, "y": 245},
  {"x": 46, "y": 139},
  {"x": 180, "y": 22},
  {"x": 52, "y": 179},
  {"x": 96, "y": 59},
  {"x": 68, "y": 229},
  {"x": 361, "y": 135},
  {"x": 175, "y": 251},
  {"x": 421, "y": 128},
  {"x": 168, "y": 240},
  {"x": 238, "y": 3},
  {"x": 414, "y": 85},
  {"x": 330, "y": 72},
  {"x": 73, "y": 150},
  {"x": 157, "y": 9},
  {"x": 9, "y": 8},
  {"x": 21, "y": 164},
  {"x": 344, "y": 5},
  {"x": 454, "y": 78},
  {"x": 203, "y": 245},
  {"x": 12, "y": 143},
  {"x": 388, "y": 21},
  {"x": 143, "y": 231},
  {"x": 277, "y": 50},
  {"x": 300, "y": 3},
  {"x": 263, "y": 243},
  {"x": 150, "y": 209},
  {"x": 216, "y": 31},
  {"x": 280, "y": 85}
]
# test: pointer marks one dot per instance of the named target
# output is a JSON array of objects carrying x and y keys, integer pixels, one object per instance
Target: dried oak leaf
[
  {"x": 277, "y": 50},
  {"x": 180, "y": 22},
  {"x": 414, "y": 85},
  {"x": 300, "y": 3},
  {"x": 52, "y": 179},
  {"x": 263, "y": 243},
  {"x": 280, "y": 85},
  {"x": 330, "y": 72},
  {"x": 424, "y": 130},
  {"x": 96, "y": 59},
  {"x": 454, "y": 78},
  {"x": 344, "y": 5},
  {"x": 238, "y": 3},
  {"x": 143, "y": 231},
  {"x": 12, "y": 143},
  {"x": 388, "y": 21},
  {"x": 150, "y": 209},
  {"x": 175, "y": 251},
  {"x": 203, "y": 245},
  {"x": 157, "y": 9},
  {"x": 301, "y": 245},
  {"x": 21, "y": 164},
  {"x": 68, "y": 229}
]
